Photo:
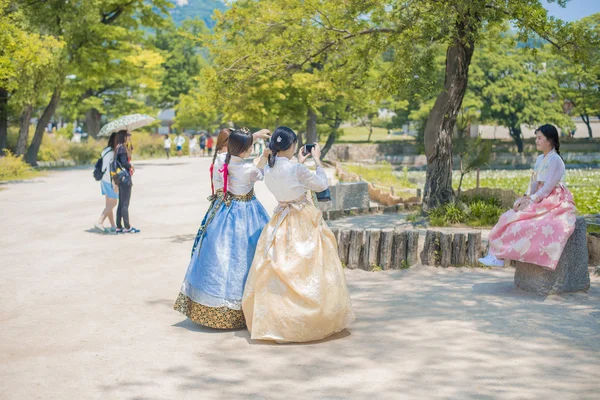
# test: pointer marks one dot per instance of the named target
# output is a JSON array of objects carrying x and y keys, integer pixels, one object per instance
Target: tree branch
[{"x": 331, "y": 43}]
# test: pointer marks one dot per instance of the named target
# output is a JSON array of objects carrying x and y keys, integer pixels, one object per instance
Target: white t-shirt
[
  {"x": 167, "y": 142},
  {"x": 179, "y": 140},
  {"x": 193, "y": 142},
  {"x": 108, "y": 155}
]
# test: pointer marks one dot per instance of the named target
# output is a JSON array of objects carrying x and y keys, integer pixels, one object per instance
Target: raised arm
[{"x": 313, "y": 181}]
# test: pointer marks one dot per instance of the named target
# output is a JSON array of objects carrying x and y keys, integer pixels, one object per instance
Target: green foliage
[
  {"x": 472, "y": 153},
  {"x": 85, "y": 153},
  {"x": 54, "y": 148},
  {"x": 196, "y": 111},
  {"x": 148, "y": 146},
  {"x": 103, "y": 66},
  {"x": 579, "y": 82},
  {"x": 472, "y": 212},
  {"x": 183, "y": 60},
  {"x": 583, "y": 184},
  {"x": 14, "y": 168},
  {"x": 516, "y": 86}
]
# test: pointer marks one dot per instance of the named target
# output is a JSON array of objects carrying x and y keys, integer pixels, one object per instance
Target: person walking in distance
[{"x": 167, "y": 145}]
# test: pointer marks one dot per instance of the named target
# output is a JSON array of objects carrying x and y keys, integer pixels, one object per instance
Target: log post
[
  {"x": 412, "y": 247},
  {"x": 373, "y": 245},
  {"x": 459, "y": 249},
  {"x": 356, "y": 247},
  {"x": 343, "y": 246},
  {"x": 385, "y": 248},
  {"x": 399, "y": 250},
  {"x": 431, "y": 249},
  {"x": 473, "y": 248},
  {"x": 445, "y": 254}
]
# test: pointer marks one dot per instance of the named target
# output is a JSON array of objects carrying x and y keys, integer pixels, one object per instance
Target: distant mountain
[{"x": 200, "y": 9}]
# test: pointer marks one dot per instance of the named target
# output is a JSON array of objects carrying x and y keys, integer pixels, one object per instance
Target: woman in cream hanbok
[
  {"x": 296, "y": 288},
  {"x": 536, "y": 230}
]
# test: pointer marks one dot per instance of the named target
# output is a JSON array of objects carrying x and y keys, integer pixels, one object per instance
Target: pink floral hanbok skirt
[{"x": 539, "y": 233}]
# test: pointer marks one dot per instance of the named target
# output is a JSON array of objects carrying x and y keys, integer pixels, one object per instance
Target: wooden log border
[{"x": 375, "y": 249}]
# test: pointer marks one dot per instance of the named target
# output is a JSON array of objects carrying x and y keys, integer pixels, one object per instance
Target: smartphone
[{"x": 307, "y": 149}]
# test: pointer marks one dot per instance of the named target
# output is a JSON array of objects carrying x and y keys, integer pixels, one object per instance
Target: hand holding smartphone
[{"x": 307, "y": 149}]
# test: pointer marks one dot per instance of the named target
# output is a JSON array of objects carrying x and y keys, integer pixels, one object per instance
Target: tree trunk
[
  {"x": 441, "y": 121},
  {"x": 25, "y": 122},
  {"x": 517, "y": 135},
  {"x": 332, "y": 136},
  {"x": 328, "y": 144},
  {"x": 311, "y": 126},
  {"x": 462, "y": 175},
  {"x": 370, "y": 133},
  {"x": 3, "y": 120},
  {"x": 92, "y": 122},
  {"x": 34, "y": 147},
  {"x": 586, "y": 119}
]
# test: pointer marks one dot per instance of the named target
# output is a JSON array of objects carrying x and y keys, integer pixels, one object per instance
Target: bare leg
[
  {"x": 108, "y": 211},
  {"x": 110, "y": 206}
]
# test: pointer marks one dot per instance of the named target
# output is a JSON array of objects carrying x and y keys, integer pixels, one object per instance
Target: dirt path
[{"x": 85, "y": 315}]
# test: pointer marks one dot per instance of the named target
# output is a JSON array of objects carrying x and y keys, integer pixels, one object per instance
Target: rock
[
  {"x": 593, "y": 243},
  {"x": 346, "y": 195},
  {"x": 571, "y": 274}
]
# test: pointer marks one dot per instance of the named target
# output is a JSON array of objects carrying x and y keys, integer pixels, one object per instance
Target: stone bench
[{"x": 571, "y": 274}]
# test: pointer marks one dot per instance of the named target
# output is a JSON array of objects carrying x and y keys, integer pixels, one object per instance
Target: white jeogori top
[
  {"x": 548, "y": 172},
  {"x": 108, "y": 156},
  {"x": 216, "y": 175},
  {"x": 289, "y": 180},
  {"x": 242, "y": 175}
]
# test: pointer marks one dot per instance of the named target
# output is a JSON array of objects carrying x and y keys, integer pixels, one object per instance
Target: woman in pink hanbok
[{"x": 536, "y": 230}]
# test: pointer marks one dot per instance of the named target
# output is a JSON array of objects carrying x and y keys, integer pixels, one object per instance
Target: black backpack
[{"x": 98, "y": 173}]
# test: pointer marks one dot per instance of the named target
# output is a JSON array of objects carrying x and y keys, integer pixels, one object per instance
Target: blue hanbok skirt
[{"x": 211, "y": 293}]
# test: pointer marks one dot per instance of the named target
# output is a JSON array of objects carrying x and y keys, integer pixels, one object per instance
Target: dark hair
[
  {"x": 281, "y": 140},
  {"x": 239, "y": 141},
  {"x": 121, "y": 137},
  {"x": 551, "y": 134},
  {"x": 111, "y": 140}
]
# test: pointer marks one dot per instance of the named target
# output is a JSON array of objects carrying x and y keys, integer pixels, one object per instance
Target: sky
[{"x": 575, "y": 9}]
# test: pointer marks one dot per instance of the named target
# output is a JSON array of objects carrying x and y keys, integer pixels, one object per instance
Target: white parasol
[{"x": 128, "y": 122}]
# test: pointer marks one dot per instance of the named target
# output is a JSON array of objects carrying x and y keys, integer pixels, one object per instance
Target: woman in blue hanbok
[{"x": 211, "y": 293}]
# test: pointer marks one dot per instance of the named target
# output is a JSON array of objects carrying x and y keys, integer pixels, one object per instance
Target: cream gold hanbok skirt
[{"x": 296, "y": 288}]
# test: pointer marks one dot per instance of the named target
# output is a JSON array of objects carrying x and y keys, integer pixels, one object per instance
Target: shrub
[
  {"x": 53, "y": 148},
  {"x": 13, "y": 167},
  {"x": 148, "y": 146},
  {"x": 476, "y": 212},
  {"x": 85, "y": 153},
  {"x": 453, "y": 214}
]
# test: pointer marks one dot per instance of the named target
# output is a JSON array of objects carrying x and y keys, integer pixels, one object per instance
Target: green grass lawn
[
  {"x": 383, "y": 175},
  {"x": 361, "y": 134},
  {"x": 583, "y": 183}
]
